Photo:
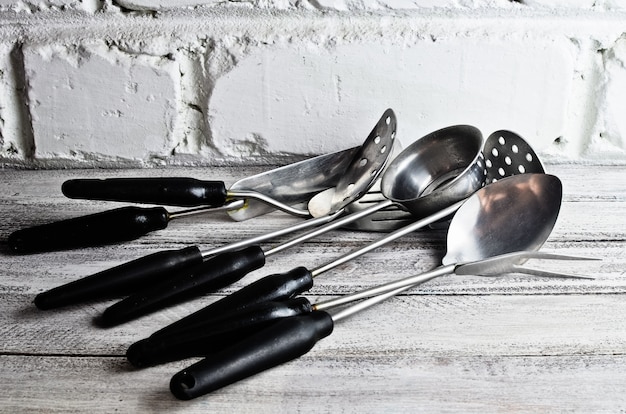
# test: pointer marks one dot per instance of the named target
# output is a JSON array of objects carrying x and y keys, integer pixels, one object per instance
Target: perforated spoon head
[
  {"x": 363, "y": 171},
  {"x": 506, "y": 154}
]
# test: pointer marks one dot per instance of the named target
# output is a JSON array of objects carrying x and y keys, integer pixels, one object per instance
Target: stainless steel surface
[
  {"x": 459, "y": 137},
  {"x": 367, "y": 164},
  {"x": 383, "y": 134},
  {"x": 511, "y": 263},
  {"x": 384, "y": 220},
  {"x": 437, "y": 170},
  {"x": 504, "y": 154},
  {"x": 513, "y": 214},
  {"x": 494, "y": 266},
  {"x": 387, "y": 239},
  {"x": 293, "y": 184},
  {"x": 251, "y": 241},
  {"x": 192, "y": 211},
  {"x": 335, "y": 224},
  {"x": 494, "y": 140},
  {"x": 351, "y": 172},
  {"x": 490, "y": 223},
  {"x": 418, "y": 157}
]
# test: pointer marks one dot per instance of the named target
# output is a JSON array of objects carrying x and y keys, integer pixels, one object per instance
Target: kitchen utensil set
[{"x": 499, "y": 205}]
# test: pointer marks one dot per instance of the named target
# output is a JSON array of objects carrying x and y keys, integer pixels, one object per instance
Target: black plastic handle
[
  {"x": 282, "y": 342},
  {"x": 175, "y": 191},
  {"x": 121, "y": 280},
  {"x": 215, "y": 335},
  {"x": 277, "y": 287},
  {"x": 217, "y": 272},
  {"x": 121, "y": 224}
]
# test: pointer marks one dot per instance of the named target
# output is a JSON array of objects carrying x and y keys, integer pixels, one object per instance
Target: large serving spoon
[{"x": 515, "y": 213}]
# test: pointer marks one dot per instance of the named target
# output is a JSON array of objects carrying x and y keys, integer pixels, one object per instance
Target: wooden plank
[
  {"x": 444, "y": 324},
  {"x": 320, "y": 382},
  {"x": 465, "y": 344}
]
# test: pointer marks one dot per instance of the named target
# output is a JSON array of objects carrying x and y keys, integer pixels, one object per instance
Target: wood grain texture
[{"x": 455, "y": 344}]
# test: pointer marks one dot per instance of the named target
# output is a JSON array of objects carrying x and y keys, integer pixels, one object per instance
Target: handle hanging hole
[{"x": 187, "y": 381}]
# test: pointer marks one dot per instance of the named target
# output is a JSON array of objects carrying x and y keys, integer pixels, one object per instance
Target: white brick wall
[{"x": 148, "y": 82}]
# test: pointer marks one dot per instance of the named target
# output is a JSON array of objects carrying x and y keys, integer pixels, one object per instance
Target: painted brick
[
  {"x": 577, "y": 4},
  {"x": 100, "y": 102},
  {"x": 315, "y": 101},
  {"x": 354, "y": 5},
  {"x": 291, "y": 4},
  {"x": 172, "y": 86},
  {"x": 610, "y": 142},
  {"x": 32, "y": 6},
  {"x": 16, "y": 140},
  {"x": 4, "y": 97}
]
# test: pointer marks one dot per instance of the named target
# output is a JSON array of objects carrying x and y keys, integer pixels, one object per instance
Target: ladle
[
  {"x": 516, "y": 213},
  {"x": 508, "y": 154},
  {"x": 366, "y": 166},
  {"x": 457, "y": 174}
]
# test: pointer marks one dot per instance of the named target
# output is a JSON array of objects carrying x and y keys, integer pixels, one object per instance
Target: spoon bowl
[{"x": 436, "y": 171}]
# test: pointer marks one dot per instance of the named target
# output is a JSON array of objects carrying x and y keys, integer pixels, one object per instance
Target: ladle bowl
[{"x": 448, "y": 160}]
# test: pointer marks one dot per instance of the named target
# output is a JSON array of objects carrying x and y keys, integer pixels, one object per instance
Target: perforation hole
[
  {"x": 388, "y": 120},
  {"x": 377, "y": 140},
  {"x": 383, "y": 149},
  {"x": 488, "y": 163},
  {"x": 515, "y": 149},
  {"x": 363, "y": 162},
  {"x": 494, "y": 152},
  {"x": 507, "y": 160},
  {"x": 501, "y": 172},
  {"x": 501, "y": 140},
  {"x": 521, "y": 169},
  {"x": 529, "y": 157}
]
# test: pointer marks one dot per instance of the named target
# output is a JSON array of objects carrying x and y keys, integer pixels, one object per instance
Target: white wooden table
[{"x": 466, "y": 344}]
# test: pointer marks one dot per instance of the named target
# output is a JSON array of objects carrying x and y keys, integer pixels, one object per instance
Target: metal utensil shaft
[{"x": 389, "y": 238}]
